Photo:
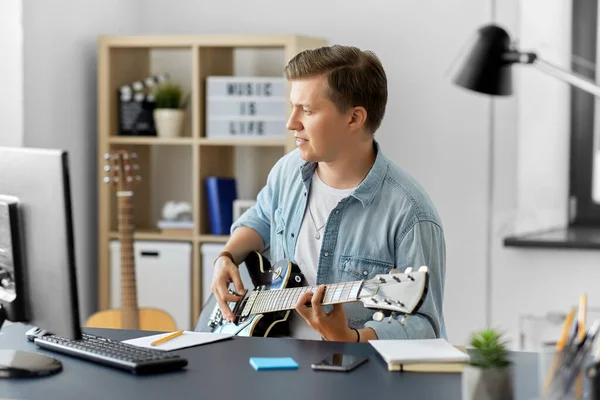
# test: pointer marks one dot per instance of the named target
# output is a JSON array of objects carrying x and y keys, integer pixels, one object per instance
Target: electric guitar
[
  {"x": 122, "y": 174},
  {"x": 264, "y": 311}
]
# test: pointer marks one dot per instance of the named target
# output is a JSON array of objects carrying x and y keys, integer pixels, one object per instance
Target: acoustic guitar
[
  {"x": 122, "y": 175},
  {"x": 265, "y": 310}
]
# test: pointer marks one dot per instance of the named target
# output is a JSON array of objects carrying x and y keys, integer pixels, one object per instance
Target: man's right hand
[{"x": 226, "y": 272}]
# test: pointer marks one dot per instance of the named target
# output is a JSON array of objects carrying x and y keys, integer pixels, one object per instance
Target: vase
[
  {"x": 487, "y": 383},
  {"x": 168, "y": 122}
]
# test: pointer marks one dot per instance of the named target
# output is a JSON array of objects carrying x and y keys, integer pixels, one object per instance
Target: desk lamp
[{"x": 486, "y": 67}]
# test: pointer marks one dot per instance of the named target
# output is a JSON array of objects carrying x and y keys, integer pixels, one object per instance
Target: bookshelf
[{"x": 174, "y": 168}]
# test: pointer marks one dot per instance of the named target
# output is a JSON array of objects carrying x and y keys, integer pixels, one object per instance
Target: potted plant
[
  {"x": 488, "y": 373},
  {"x": 169, "y": 108}
]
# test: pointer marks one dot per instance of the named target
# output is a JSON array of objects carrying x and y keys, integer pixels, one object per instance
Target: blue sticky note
[{"x": 261, "y": 363}]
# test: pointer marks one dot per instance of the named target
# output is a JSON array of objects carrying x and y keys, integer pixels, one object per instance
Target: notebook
[
  {"x": 424, "y": 355},
  {"x": 187, "y": 339},
  {"x": 260, "y": 363}
]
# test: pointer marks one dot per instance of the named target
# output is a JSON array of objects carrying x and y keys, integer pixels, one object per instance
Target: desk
[{"x": 221, "y": 371}]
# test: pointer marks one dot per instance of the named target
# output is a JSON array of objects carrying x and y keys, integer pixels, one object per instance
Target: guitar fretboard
[
  {"x": 286, "y": 299},
  {"x": 128, "y": 282}
]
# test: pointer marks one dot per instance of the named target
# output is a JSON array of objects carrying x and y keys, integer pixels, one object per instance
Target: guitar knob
[{"x": 378, "y": 316}]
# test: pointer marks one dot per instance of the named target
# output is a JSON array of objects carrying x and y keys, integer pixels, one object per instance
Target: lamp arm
[
  {"x": 562, "y": 74},
  {"x": 578, "y": 81}
]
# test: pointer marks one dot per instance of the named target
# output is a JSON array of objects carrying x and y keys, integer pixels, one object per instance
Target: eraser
[{"x": 262, "y": 363}]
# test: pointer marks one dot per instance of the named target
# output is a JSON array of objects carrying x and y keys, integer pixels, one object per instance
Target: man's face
[{"x": 320, "y": 129}]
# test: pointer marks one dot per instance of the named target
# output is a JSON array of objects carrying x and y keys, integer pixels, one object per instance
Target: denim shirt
[{"x": 387, "y": 222}]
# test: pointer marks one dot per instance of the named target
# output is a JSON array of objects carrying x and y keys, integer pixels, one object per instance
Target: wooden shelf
[
  {"x": 155, "y": 235},
  {"x": 176, "y": 168},
  {"x": 150, "y": 140},
  {"x": 213, "y": 238},
  {"x": 243, "y": 142}
]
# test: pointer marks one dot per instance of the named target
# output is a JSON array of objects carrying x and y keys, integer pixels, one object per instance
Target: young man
[{"x": 338, "y": 207}]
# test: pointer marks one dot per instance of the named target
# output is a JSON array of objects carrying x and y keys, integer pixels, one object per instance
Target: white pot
[
  {"x": 487, "y": 383},
  {"x": 168, "y": 122}
]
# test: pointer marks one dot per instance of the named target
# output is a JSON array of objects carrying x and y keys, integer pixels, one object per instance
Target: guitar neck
[
  {"x": 129, "y": 306},
  {"x": 286, "y": 299}
]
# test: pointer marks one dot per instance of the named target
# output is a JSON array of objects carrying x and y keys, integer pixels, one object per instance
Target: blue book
[
  {"x": 220, "y": 194},
  {"x": 261, "y": 363}
]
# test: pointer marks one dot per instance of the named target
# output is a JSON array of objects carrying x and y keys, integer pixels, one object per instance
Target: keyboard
[{"x": 113, "y": 353}]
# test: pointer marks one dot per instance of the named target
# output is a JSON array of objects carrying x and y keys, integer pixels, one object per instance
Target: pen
[{"x": 166, "y": 338}]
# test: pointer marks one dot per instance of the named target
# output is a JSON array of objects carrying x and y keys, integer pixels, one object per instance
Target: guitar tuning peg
[
  {"x": 125, "y": 156},
  {"x": 106, "y": 180},
  {"x": 378, "y": 316},
  {"x": 106, "y": 168},
  {"x": 408, "y": 270},
  {"x": 423, "y": 268},
  {"x": 106, "y": 156},
  {"x": 404, "y": 319},
  {"x": 134, "y": 155},
  {"x": 129, "y": 179},
  {"x": 136, "y": 167},
  {"x": 392, "y": 316}
]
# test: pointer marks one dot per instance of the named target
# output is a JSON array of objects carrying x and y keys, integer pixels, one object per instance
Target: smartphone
[{"x": 339, "y": 362}]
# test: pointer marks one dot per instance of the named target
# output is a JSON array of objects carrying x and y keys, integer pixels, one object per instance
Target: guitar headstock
[
  {"x": 121, "y": 170},
  {"x": 397, "y": 291}
]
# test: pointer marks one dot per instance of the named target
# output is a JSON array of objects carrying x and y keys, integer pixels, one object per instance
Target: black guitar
[{"x": 264, "y": 311}]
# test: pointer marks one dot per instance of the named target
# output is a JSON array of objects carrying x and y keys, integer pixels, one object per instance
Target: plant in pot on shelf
[
  {"x": 488, "y": 374},
  {"x": 170, "y": 102}
]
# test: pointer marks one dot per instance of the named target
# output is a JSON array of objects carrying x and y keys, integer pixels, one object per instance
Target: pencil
[
  {"x": 581, "y": 335},
  {"x": 559, "y": 347},
  {"x": 166, "y": 338}
]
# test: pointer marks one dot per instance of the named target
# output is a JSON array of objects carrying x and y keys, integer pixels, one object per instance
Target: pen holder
[{"x": 552, "y": 379}]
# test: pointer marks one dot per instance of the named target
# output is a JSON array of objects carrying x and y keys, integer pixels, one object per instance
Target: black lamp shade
[{"x": 484, "y": 68}]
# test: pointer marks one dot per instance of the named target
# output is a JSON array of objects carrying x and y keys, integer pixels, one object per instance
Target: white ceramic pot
[
  {"x": 168, "y": 122},
  {"x": 487, "y": 383}
]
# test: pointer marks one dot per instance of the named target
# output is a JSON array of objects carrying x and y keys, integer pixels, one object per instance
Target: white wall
[
  {"x": 60, "y": 48},
  {"x": 432, "y": 129},
  {"x": 532, "y": 128},
  {"x": 11, "y": 73}
]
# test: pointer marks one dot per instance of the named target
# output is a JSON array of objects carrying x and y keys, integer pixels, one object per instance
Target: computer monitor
[{"x": 38, "y": 284}]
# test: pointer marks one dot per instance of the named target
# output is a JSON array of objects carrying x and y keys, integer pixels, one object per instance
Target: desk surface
[{"x": 222, "y": 371}]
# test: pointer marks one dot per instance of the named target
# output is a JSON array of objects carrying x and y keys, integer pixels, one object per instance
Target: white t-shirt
[{"x": 321, "y": 201}]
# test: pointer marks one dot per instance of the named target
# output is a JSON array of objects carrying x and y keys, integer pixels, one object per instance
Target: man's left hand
[{"x": 333, "y": 326}]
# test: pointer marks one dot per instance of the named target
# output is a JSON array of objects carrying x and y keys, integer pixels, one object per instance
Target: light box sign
[{"x": 245, "y": 106}]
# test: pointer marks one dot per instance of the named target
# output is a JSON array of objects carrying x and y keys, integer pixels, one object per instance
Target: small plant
[
  {"x": 490, "y": 350},
  {"x": 170, "y": 95}
]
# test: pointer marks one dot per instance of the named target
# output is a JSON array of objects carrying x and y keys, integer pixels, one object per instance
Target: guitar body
[
  {"x": 150, "y": 319},
  {"x": 264, "y": 277}
]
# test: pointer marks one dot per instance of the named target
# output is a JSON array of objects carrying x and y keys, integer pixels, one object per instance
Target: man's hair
[{"x": 354, "y": 78}]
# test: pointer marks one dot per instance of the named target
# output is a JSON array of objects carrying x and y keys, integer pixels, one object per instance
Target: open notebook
[
  {"x": 187, "y": 339},
  {"x": 425, "y": 355}
]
